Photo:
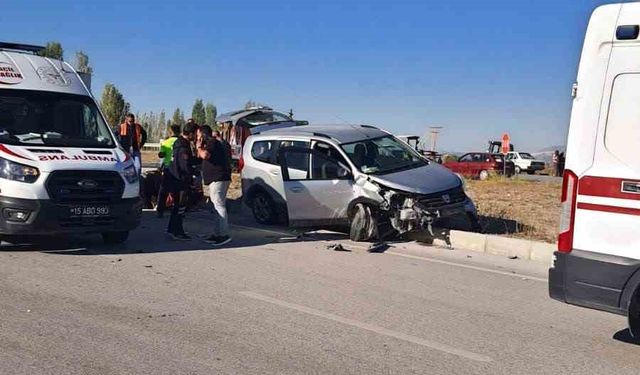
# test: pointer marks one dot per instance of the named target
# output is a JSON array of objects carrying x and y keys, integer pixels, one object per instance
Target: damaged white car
[{"x": 356, "y": 176}]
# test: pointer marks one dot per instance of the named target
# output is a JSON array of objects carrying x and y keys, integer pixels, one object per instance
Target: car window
[
  {"x": 297, "y": 162},
  {"x": 466, "y": 158},
  {"x": 263, "y": 151},
  {"x": 478, "y": 158},
  {"x": 327, "y": 163},
  {"x": 527, "y": 156},
  {"x": 261, "y": 118},
  {"x": 383, "y": 155}
]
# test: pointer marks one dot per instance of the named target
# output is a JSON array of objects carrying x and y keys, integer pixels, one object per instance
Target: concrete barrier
[{"x": 499, "y": 245}]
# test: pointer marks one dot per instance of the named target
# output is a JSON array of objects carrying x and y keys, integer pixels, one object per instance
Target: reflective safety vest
[{"x": 124, "y": 130}]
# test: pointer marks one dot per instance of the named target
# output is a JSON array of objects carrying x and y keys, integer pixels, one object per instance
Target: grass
[{"x": 518, "y": 208}]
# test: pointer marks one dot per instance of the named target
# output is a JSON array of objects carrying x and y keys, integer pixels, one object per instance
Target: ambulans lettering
[
  {"x": 77, "y": 158},
  {"x": 9, "y": 74}
]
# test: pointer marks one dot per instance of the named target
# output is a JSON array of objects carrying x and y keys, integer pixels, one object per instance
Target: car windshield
[
  {"x": 383, "y": 155},
  {"x": 526, "y": 155},
  {"x": 43, "y": 118}
]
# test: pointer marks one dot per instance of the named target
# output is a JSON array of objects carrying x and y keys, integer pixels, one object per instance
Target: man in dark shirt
[
  {"x": 178, "y": 180},
  {"x": 216, "y": 173}
]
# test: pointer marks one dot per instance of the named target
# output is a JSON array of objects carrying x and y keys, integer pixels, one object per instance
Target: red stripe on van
[
  {"x": 612, "y": 209},
  {"x": 605, "y": 187},
  {"x": 6, "y": 150}
]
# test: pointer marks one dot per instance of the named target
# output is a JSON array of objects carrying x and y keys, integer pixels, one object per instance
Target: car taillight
[
  {"x": 240, "y": 164},
  {"x": 568, "y": 213}
]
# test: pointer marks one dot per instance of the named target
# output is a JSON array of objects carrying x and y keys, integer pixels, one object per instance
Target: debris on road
[
  {"x": 337, "y": 247},
  {"x": 378, "y": 247},
  {"x": 148, "y": 266},
  {"x": 514, "y": 257}
]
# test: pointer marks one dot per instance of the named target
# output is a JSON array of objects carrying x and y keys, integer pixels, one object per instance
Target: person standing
[
  {"x": 555, "y": 159},
  {"x": 166, "y": 153},
  {"x": 178, "y": 180},
  {"x": 216, "y": 173},
  {"x": 132, "y": 137}
]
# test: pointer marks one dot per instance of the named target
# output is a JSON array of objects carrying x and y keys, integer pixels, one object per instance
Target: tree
[
  {"x": 112, "y": 104},
  {"x": 211, "y": 112},
  {"x": 52, "y": 50},
  {"x": 82, "y": 63},
  {"x": 178, "y": 118},
  {"x": 197, "y": 113}
]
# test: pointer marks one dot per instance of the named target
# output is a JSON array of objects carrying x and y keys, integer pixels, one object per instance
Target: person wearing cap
[{"x": 179, "y": 179}]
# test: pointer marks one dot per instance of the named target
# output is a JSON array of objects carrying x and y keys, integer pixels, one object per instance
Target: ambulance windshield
[{"x": 51, "y": 119}]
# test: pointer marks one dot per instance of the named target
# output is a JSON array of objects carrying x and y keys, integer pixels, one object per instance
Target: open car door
[{"x": 318, "y": 188}]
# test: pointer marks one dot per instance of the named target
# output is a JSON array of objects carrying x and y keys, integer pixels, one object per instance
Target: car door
[
  {"x": 461, "y": 165},
  {"x": 320, "y": 194}
]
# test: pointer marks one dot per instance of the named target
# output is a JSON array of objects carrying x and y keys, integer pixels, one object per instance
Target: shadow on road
[{"x": 625, "y": 336}]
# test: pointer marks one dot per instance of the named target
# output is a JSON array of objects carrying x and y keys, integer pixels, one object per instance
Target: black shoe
[
  {"x": 218, "y": 240},
  {"x": 181, "y": 237}
]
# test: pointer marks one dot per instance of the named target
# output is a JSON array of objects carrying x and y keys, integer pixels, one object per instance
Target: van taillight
[{"x": 568, "y": 215}]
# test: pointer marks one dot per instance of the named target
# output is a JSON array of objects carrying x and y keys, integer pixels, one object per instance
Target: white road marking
[
  {"x": 483, "y": 269},
  {"x": 372, "y": 328}
]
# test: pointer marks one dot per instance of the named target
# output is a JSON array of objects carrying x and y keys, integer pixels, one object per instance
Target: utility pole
[{"x": 434, "y": 131}]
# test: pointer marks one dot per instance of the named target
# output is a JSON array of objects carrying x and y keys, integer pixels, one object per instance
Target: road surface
[{"x": 273, "y": 303}]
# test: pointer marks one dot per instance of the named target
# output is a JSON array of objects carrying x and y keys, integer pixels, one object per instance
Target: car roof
[
  {"x": 32, "y": 72},
  {"x": 339, "y": 133}
]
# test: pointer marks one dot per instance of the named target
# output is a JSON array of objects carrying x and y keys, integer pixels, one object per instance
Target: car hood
[{"x": 429, "y": 179}]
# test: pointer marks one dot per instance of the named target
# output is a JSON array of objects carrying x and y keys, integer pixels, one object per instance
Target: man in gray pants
[{"x": 216, "y": 173}]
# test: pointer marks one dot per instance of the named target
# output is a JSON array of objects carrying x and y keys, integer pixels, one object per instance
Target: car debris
[{"x": 337, "y": 247}]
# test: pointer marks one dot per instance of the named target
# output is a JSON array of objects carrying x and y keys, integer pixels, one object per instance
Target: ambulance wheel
[
  {"x": 115, "y": 238},
  {"x": 483, "y": 175},
  {"x": 364, "y": 225},
  {"x": 518, "y": 170},
  {"x": 263, "y": 208}
]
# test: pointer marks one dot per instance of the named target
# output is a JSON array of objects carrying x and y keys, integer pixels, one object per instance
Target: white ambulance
[{"x": 61, "y": 168}]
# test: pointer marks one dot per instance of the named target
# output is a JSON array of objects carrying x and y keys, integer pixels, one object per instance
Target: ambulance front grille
[{"x": 85, "y": 186}]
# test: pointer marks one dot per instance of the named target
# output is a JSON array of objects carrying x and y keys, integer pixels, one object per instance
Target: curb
[{"x": 497, "y": 245}]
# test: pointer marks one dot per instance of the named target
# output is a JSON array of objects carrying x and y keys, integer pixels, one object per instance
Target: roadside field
[{"x": 518, "y": 208}]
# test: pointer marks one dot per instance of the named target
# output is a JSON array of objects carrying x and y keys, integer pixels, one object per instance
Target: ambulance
[{"x": 62, "y": 171}]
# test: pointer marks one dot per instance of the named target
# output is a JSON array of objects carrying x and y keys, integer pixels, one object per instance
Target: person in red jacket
[{"x": 132, "y": 137}]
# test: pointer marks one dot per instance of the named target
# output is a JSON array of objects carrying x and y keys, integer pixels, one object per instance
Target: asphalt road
[{"x": 275, "y": 303}]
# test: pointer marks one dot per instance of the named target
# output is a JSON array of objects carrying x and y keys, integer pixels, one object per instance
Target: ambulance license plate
[{"x": 89, "y": 211}]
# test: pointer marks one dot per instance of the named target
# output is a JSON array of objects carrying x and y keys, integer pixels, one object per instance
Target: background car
[
  {"x": 480, "y": 165},
  {"x": 525, "y": 162}
]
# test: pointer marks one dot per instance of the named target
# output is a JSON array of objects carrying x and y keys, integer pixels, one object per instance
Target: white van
[
  {"x": 597, "y": 264},
  {"x": 61, "y": 168}
]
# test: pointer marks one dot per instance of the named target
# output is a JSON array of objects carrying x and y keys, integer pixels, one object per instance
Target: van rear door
[{"x": 607, "y": 215}]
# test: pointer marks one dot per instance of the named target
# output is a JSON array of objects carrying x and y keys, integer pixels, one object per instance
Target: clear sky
[{"x": 478, "y": 68}]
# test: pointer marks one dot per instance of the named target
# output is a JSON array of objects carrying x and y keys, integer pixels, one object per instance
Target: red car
[{"x": 480, "y": 165}]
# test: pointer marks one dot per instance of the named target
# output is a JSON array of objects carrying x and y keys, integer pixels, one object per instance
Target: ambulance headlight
[
  {"x": 18, "y": 172},
  {"x": 130, "y": 174}
]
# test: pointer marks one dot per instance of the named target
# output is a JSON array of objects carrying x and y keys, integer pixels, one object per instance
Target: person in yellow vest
[
  {"x": 132, "y": 137},
  {"x": 166, "y": 153}
]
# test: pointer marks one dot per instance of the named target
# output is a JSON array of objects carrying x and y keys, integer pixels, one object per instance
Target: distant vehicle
[
  {"x": 358, "y": 176},
  {"x": 237, "y": 126},
  {"x": 62, "y": 171},
  {"x": 414, "y": 141},
  {"x": 495, "y": 147},
  {"x": 480, "y": 165},
  {"x": 525, "y": 162},
  {"x": 597, "y": 264}
]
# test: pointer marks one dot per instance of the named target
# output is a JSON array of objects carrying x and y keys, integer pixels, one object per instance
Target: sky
[{"x": 476, "y": 68}]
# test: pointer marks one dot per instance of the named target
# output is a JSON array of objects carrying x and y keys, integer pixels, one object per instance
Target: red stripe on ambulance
[
  {"x": 606, "y": 187},
  {"x": 611, "y": 209}
]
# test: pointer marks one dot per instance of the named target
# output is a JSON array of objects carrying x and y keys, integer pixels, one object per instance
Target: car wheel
[
  {"x": 483, "y": 175},
  {"x": 531, "y": 172},
  {"x": 364, "y": 226},
  {"x": 115, "y": 238},
  {"x": 518, "y": 170},
  {"x": 263, "y": 208}
]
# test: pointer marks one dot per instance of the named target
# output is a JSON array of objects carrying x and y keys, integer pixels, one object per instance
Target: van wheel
[
  {"x": 518, "y": 170},
  {"x": 364, "y": 225},
  {"x": 483, "y": 175},
  {"x": 115, "y": 238},
  {"x": 633, "y": 316},
  {"x": 263, "y": 208}
]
